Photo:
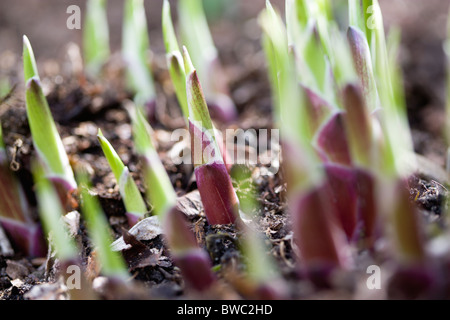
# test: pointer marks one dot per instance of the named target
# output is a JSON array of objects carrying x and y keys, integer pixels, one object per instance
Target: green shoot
[
  {"x": 198, "y": 40},
  {"x": 213, "y": 180},
  {"x": 197, "y": 37},
  {"x": 51, "y": 213},
  {"x": 135, "y": 50},
  {"x": 134, "y": 203},
  {"x": 15, "y": 218},
  {"x": 355, "y": 14},
  {"x": 112, "y": 263},
  {"x": 398, "y": 148},
  {"x": 291, "y": 113},
  {"x": 29, "y": 62},
  {"x": 174, "y": 59},
  {"x": 159, "y": 187},
  {"x": 194, "y": 262},
  {"x": 46, "y": 139},
  {"x": 96, "y": 36}
]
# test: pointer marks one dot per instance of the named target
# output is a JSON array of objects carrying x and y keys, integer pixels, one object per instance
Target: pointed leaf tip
[
  {"x": 29, "y": 61},
  {"x": 188, "y": 66}
]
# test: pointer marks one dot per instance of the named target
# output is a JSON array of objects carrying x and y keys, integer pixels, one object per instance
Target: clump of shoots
[
  {"x": 51, "y": 213},
  {"x": 132, "y": 198},
  {"x": 310, "y": 204},
  {"x": 214, "y": 183},
  {"x": 402, "y": 218},
  {"x": 363, "y": 155},
  {"x": 135, "y": 50},
  {"x": 193, "y": 261},
  {"x": 95, "y": 36},
  {"x": 24, "y": 233},
  {"x": 46, "y": 139},
  {"x": 112, "y": 263},
  {"x": 197, "y": 38},
  {"x": 396, "y": 150}
]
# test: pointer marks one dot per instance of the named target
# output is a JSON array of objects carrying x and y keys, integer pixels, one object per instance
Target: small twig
[{"x": 14, "y": 165}]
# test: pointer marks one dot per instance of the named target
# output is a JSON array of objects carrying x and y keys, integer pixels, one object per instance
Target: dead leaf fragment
[
  {"x": 17, "y": 269},
  {"x": 139, "y": 255},
  {"x": 144, "y": 230},
  {"x": 191, "y": 204}
]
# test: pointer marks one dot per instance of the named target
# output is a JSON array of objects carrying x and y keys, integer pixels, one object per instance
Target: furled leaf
[
  {"x": 131, "y": 196},
  {"x": 197, "y": 38},
  {"x": 218, "y": 195},
  {"x": 96, "y": 36},
  {"x": 15, "y": 218},
  {"x": 159, "y": 187},
  {"x": 135, "y": 50},
  {"x": 51, "y": 213},
  {"x": 174, "y": 59},
  {"x": 46, "y": 139},
  {"x": 363, "y": 65},
  {"x": 112, "y": 263}
]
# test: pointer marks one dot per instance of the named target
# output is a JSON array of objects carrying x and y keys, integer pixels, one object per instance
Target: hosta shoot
[
  {"x": 95, "y": 36},
  {"x": 193, "y": 261},
  {"x": 198, "y": 40},
  {"x": 311, "y": 210},
  {"x": 174, "y": 59},
  {"x": 214, "y": 183},
  {"x": 46, "y": 139},
  {"x": 51, "y": 213},
  {"x": 24, "y": 233},
  {"x": 66, "y": 251},
  {"x": 112, "y": 263},
  {"x": 134, "y": 203},
  {"x": 160, "y": 191},
  {"x": 135, "y": 51}
]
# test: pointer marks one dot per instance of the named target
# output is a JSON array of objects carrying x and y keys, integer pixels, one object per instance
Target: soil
[{"x": 80, "y": 106}]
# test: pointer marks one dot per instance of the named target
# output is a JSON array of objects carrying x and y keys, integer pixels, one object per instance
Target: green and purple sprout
[
  {"x": 111, "y": 263},
  {"x": 310, "y": 203},
  {"x": 46, "y": 139},
  {"x": 66, "y": 251},
  {"x": 177, "y": 72},
  {"x": 198, "y": 40},
  {"x": 23, "y": 231},
  {"x": 358, "y": 130},
  {"x": 132, "y": 198},
  {"x": 194, "y": 262},
  {"x": 213, "y": 180},
  {"x": 160, "y": 191}
]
